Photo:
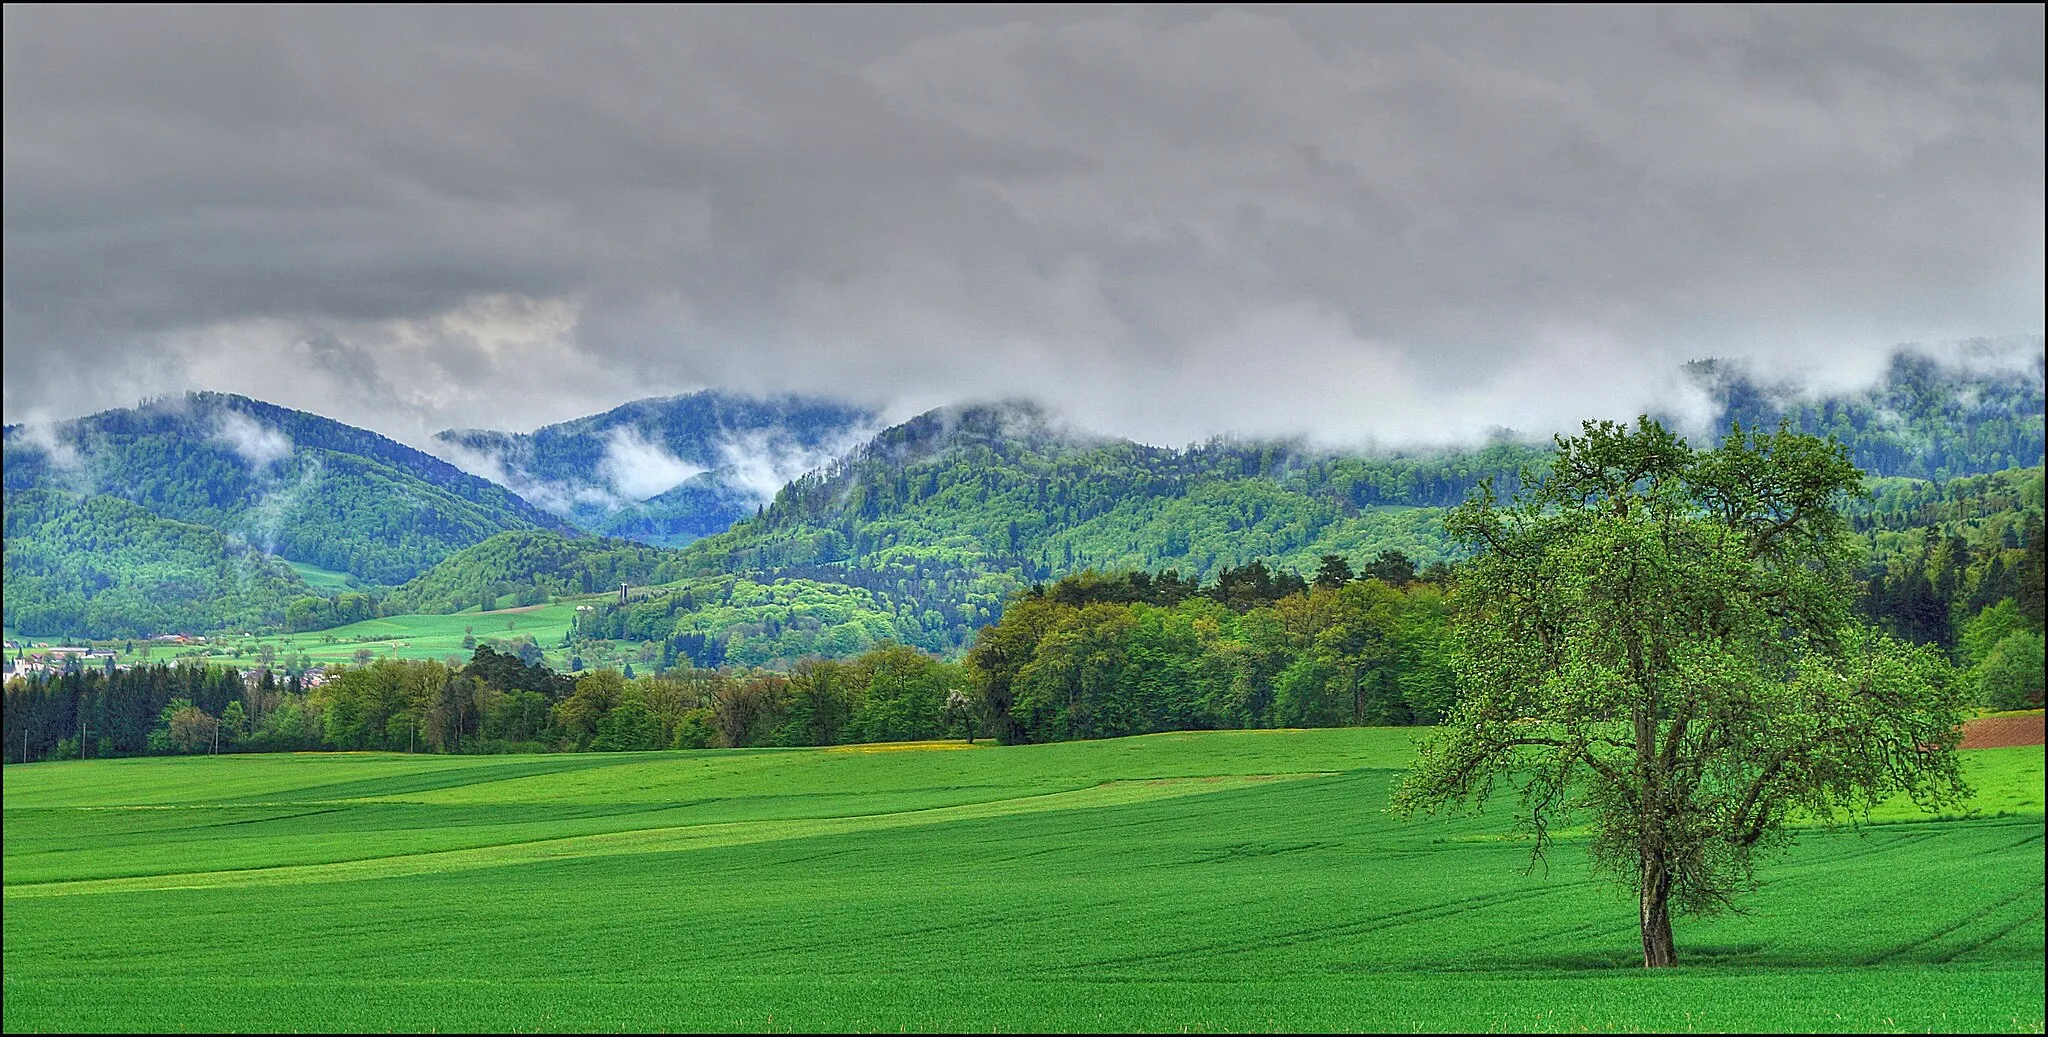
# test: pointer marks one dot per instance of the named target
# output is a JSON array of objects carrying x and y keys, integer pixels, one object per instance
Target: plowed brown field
[{"x": 2001, "y": 732}]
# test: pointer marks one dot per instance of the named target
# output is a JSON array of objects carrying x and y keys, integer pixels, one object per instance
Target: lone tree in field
[{"x": 1658, "y": 643}]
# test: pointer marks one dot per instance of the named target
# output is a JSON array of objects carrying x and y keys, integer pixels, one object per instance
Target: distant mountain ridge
[
  {"x": 927, "y": 526},
  {"x": 666, "y": 470},
  {"x": 956, "y": 508},
  {"x": 294, "y": 484}
]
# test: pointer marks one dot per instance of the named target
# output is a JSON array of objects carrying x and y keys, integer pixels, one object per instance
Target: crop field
[{"x": 1212, "y": 881}]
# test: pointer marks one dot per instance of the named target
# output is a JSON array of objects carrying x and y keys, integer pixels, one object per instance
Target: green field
[
  {"x": 327, "y": 581},
  {"x": 418, "y": 636},
  {"x": 400, "y": 637},
  {"x": 1214, "y": 881}
]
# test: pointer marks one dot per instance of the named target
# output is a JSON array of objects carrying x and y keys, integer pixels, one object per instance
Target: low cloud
[
  {"x": 42, "y": 434},
  {"x": 638, "y": 468},
  {"x": 258, "y": 444},
  {"x": 1362, "y": 224},
  {"x": 759, "y": 464},
  {"x": 556, "y": 497},
  {"x": 266, "y": 520}
]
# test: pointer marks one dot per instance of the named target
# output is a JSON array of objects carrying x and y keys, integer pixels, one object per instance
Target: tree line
[
  {"x": 1091, "y": 655},
  {"x": 1969, "y": 581}
]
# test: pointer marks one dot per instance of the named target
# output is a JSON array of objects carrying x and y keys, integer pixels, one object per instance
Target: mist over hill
[
  {"x": 923, "y": 529},
  {"x": 668, "y": 470},
  {"x": 289, "y": 483}
]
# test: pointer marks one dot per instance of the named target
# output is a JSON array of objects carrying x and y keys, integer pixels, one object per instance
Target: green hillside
[
  {"x": 922, "y": 534},
  {"x": 1923, "y": 419},
  {"x": 297, "y": 485},
  {"x": 429, "y": 636},
  {"x": 102, "y": 567},
  {"x": 951, "y": 512},
  {"x": 527, "y": 567},
  {"x": 1218, "y": 881},
  {"x": 944, "y": 517}
]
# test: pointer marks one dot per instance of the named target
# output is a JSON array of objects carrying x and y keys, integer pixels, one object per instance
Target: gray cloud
[{"x": 1404, "y": 224}]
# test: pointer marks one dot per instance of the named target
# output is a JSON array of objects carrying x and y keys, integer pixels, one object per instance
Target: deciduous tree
[{"x": 1658, "y": 643}]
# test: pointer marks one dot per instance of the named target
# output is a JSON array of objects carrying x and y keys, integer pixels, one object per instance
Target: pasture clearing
[
  {"x": 419, "y": 636},
  {"x": 328, "y": 582},
  {"x": 1213, "y": 881}
]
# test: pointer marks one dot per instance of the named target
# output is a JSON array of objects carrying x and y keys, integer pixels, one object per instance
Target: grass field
[
  {"x": 408, "y": 637},
  {"x": 1215, "y": 881},
  {"x": 433, "y": 637},
  {"x": 327, "y": 581}
]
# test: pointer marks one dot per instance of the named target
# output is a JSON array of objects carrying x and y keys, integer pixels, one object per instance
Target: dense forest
[
  {"x": 1960, "y": 565},
  {"x": 103, "y": 567},
  {"x": 530, "y": 566},
  {"x": 1090, "y": 656},
  {"x": 1923, "y": 419}
]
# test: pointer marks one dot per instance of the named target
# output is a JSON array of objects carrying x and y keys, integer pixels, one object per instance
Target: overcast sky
[{"x": 1405, "y": 225}]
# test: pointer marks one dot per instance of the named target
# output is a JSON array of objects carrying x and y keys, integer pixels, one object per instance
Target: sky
[{"x": 1358, "y": 224}]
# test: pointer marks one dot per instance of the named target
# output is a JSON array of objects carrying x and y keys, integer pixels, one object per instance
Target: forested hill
[
  {"x": 103, "y": 567},
  {"x": 300, "y": 486},
  {"x": 667, "y": 470},
  {"x": 921, "y": 532},
  {"x": 999, "y": 488},
  {"x": 1923, "y": 420},
  {"x": 527, "y": 567},
  {"x": 944, "y": 516}
]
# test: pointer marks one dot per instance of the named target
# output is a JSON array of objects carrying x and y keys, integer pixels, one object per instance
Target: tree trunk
[{"x": 1658, "y": 951}]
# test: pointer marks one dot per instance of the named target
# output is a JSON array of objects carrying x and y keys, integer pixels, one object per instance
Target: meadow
[
  {"x": 326, "y": 581},
  {"x": 409, "y": 636},
  {"x": 430, "y": 637},
  {"x": 1213, "y": 881}
]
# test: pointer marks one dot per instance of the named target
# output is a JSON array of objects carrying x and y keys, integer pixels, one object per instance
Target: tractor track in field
[
  {"x": 1354, "y": 927},
  {"x": 655, "y": 840},
  {"x": 1909, "y": 946},
  {"x": 2030, "y": 918}
]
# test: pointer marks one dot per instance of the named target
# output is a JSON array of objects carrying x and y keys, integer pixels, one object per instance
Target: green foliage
[
  {"x": 2010, "y": 676},
  {"x": 526, "y": 567},
  {"x": 1658, "y": 642},
  {"x": 1980, "y": 548},
  {"x": 631, "y": 727},
  {"x": 940, "y": 520},
  {"x": 1924, "y": 419},
  {"x": 904, "y": 695},
  {"x": 1984, "y": 632},
  {"x": 1098, "y": 655},
  {"x": 101, "y": 567}
]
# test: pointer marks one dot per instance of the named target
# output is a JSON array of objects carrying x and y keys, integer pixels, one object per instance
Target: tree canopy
[{"x": 1661, "y": 643}]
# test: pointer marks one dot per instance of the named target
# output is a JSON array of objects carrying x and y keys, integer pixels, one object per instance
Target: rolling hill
[
  {"x": 918, "y": 533},
  {"x": 296, "y": 485},
  {"x": 104, "y": 567}
]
